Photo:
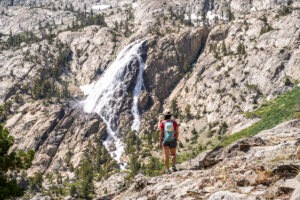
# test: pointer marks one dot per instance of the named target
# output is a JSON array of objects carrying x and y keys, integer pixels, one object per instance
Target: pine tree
[
  {"x": 116, "y": 25},
  {"x": 91, "y": 13},
  {"x": 187, "y": 110},
  {"x": 10, "y": 40},
  {"x": 85, "y": 174},
  {"x": 84, "y": 10},
  {"x": 134, "y": 165},
  {"x": 241, "y": 49},
  {"x": 174, "y": 107},
  {"x": 73, "y": 191},
  {"x": 126, "y": 28},
  {"x": 11, "y": 162},
  {"x": 224, "y": 49},
  {"x": 36, "y": 182}
]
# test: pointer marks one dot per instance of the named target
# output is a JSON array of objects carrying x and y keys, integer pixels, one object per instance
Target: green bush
[
  {"x": 174, "y": 108},
  {"x": 36, "y": 182},
  {"x": 187, "y": 110},
  {"x": 266, "y": 28},
  {"x": 284, "y": 11},
  {"x": 154, "y": 167},
  {"x": 241, "y": 49}
]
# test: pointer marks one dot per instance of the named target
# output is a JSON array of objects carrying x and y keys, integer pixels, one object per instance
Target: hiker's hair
[{"x": 167, "y": 117}]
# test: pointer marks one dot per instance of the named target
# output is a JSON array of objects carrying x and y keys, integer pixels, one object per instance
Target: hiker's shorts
[{"x": 171, "y": 144}]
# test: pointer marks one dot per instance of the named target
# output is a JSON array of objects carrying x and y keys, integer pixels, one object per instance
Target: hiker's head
[{"x": 167, "y": 114}]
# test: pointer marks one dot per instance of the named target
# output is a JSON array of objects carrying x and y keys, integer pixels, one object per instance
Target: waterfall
[
  {"x": 110, "y": 94},
  {"x": 137, "y": 89}
]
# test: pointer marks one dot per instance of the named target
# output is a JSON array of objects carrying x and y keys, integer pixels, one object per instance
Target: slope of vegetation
[
  {"x": 274, "y": 112},
  {"x": 280, "y": 109}
]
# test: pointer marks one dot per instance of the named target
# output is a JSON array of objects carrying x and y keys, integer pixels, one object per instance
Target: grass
[{"x": 272, "y": 113}]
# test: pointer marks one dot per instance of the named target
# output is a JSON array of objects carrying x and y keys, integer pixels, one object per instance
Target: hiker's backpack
[{"x": 169, "y": 131}]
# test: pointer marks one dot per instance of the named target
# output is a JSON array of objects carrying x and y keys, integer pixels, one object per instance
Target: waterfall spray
[{"x": 105, "y": 95}]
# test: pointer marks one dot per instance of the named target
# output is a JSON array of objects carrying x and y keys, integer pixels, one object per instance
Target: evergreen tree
[
  {"x": 126, "y": 28},
  {"x": 241, "y": 49},
  {"x": 73, "y": 191},
  {"x": 11, "y": 162},
  {"x": 174, "y": 107},
  {"x": 134, "y": 165},
  {"x": 10, "y": 40},
  {"x": 224, "y": 49},
  {"x": 230, "y": 15},
  {"x": 85, "y": 174},
  {"x": 36, "y": 182},
  {"x": 187, "y": 110},
  {"x": 84, "y": 10},
  {"x": 116, "y": 25}
]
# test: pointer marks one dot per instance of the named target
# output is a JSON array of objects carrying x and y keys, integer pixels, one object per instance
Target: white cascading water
[
  {"x": 137, "y": 89},
  {"x": 105, "y": 96}
]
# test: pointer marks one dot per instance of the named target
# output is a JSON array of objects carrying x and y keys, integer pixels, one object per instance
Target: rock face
[
  {"x": 233, "y": 73},
  {"x": 168, "y": 57},
  {"x": 240, "y": 175},
  {"x": 93, "y": 51},
  {"x": 296, "y": 193},
  {"x": 66, "y": 130}
]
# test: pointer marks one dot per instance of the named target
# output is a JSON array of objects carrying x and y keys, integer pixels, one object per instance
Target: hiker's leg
[
  {"x": 173, "y": 153},
  {"x": 166, "y": 156}
]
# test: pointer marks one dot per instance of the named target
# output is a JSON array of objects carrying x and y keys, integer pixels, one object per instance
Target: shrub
[
  {"x": 174, "y": 107},
  {"x": 187, "y": 110},
  {"x": 266, "y": 28},
  {"x": 241, "y": 49},
  {"x": 73, "y": 190},
  {"x": 36, "y": 182},
  {"x": 284, "y": 11}
]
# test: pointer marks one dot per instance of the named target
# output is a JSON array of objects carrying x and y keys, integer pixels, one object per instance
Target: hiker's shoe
[
  {"x": 167, "y": 171},
  {"x": 174, "y": 168}
]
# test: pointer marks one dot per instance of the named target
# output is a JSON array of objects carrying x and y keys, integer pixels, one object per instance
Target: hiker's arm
[
  {"x": 161, "y": 135},
  {"x": 177, "y": 133}
]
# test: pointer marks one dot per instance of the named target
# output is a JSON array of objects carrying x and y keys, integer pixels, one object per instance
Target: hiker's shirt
[{"x": 162, "y": 127}]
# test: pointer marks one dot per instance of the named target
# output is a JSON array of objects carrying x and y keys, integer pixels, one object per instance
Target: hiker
[{"x": 168, "y": 139}]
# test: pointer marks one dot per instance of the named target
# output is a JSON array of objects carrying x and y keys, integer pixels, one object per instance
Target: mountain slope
[
  {"x": 212, "y": 62},
  {"x": 260, "y": 167}
]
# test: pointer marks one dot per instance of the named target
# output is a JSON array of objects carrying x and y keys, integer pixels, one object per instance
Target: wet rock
[
  {"x": 93, "y": 128},
  {"x": 144, "y": 100}
]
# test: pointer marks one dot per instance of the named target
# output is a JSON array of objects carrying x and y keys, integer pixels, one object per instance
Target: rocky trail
[{"x": 262, "y": 167}]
